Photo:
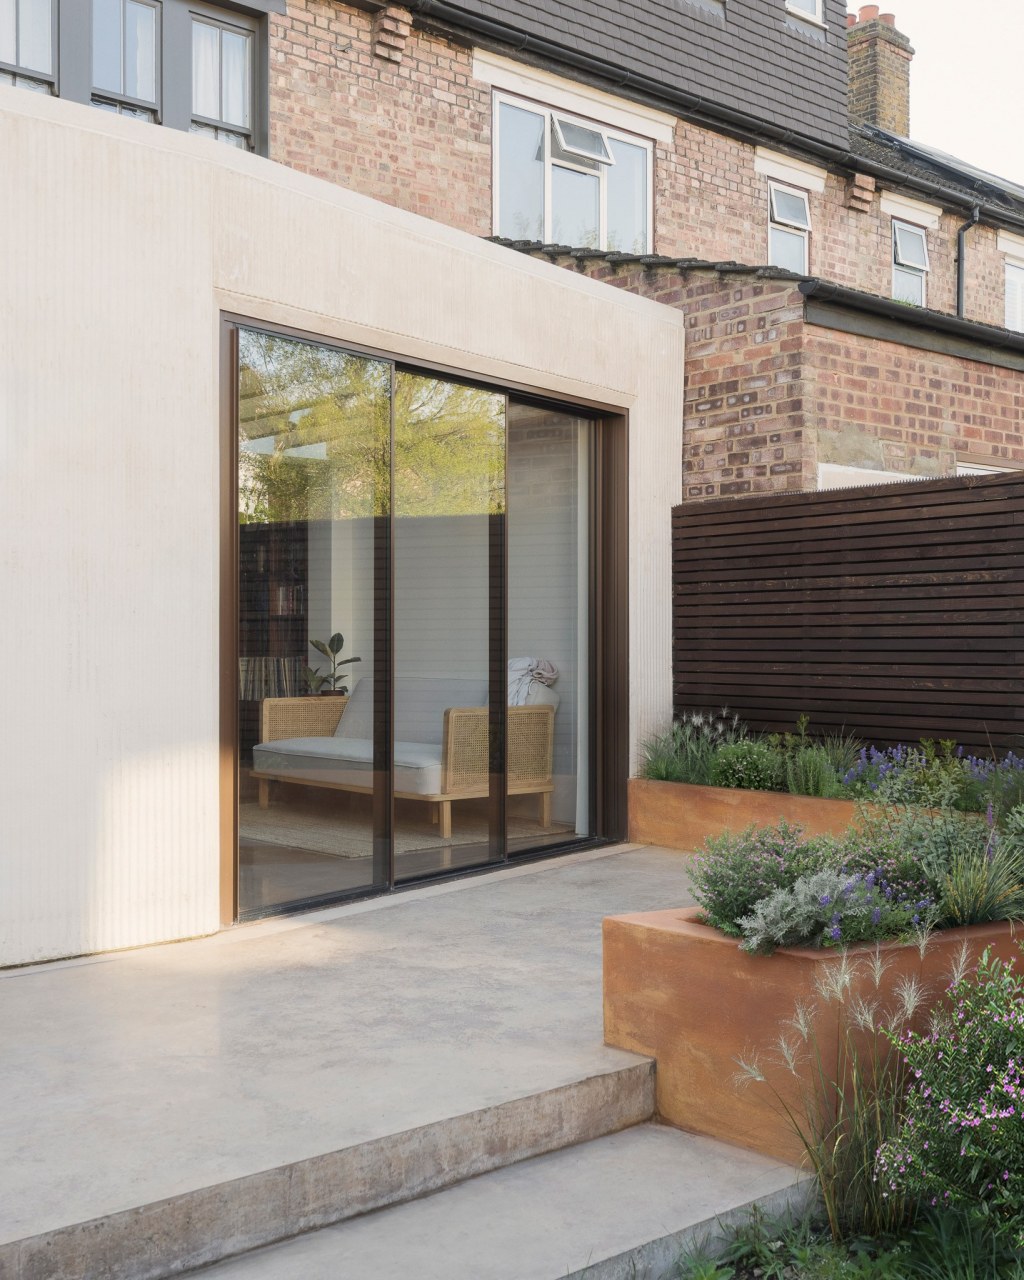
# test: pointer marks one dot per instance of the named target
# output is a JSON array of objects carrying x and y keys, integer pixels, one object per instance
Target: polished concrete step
[
  {"x": 622, "y": 1207},
  {"x": 179, "y": 1233}
]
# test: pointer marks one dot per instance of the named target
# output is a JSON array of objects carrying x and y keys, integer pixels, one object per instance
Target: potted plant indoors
[{"x": 332, "y": 681}]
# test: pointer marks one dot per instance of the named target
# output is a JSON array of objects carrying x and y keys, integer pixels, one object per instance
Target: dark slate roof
[
  {"x": 927, "y": 164},
  {"x": 749, "y": 56},
  {"x": 652, "y": 261}
]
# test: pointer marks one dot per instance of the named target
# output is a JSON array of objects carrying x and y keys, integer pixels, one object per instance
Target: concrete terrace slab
[
  {"x": 626, "y": 1205},
  {"x": 133, "y": 1078}
]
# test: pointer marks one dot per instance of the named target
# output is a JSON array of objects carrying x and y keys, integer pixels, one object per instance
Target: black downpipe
[{"x": 961, "y": 259}]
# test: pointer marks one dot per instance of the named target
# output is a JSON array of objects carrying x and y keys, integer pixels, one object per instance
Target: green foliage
[
  {"x": 319, "y": 680},
  {"x": 733, "y": 872},
  {"x": 961, "y": 1245},
  {"x": 961, "y": 1142},
  {"x": 831, "y": 908},
  {"x": 754, "y": 765},
  {"x": 685, "y": 752},
  {"x": 810, "y": 772},
  {"x": 984, "y": 883}
]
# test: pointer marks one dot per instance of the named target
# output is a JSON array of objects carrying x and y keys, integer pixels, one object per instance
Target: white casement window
[
  {"x": 909, "y": 262},
  {"x": 789, "y": 227},
  {"x": 222, "y": 82},
  {"x": 561, "y": 179},
  {"x": 26, "y": 44},
  {"x": 807, "y": 9},
  {"x": 125, "y": 41},
  {"x": 1015, "y": 296}
]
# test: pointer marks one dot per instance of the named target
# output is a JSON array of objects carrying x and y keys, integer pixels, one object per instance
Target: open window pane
[
  {"x": 787, "y": 249},
  {"x": 35, "y": 36},
  {"x": 235, "y": 79},
  {"x": 908, "y": 286},
  {"x": 911, "y": 246},
  {"x": 577, "y": 139},
  {"x": 575, "y": 208},
  {"x": 790, "y": 207},
  {"x": 140, "y": 51},
  {"x": 520, "y": 173},
  {"x": 205, "y": 70},
  {"x": 627, "y": 198},
  {"x": 106, "y": 45}
]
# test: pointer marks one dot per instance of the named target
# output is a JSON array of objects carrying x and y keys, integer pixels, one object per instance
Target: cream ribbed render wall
[{"x": 122, "y": 245}]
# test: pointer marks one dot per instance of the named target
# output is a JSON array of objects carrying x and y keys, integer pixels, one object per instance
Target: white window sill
[{"x": 806, "y": 17}]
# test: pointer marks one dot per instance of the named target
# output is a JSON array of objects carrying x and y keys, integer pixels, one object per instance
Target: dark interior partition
[{"x": 893, "y": 611}]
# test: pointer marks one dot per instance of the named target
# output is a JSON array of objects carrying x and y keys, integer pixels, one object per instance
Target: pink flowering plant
[{"x": 961, "y": 1139}]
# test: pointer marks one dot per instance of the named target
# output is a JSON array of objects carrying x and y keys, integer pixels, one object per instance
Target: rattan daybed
[{"x": 440, "y": 750}]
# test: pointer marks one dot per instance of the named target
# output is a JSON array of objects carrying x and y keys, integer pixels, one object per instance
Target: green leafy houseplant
[{"x": 330, "y": 681}]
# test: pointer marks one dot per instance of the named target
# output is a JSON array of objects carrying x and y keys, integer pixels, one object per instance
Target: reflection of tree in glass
[{"x": 314, "y": 437}]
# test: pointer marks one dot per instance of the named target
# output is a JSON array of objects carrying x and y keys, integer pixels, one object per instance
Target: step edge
[{"x": 209, "y": 1224}]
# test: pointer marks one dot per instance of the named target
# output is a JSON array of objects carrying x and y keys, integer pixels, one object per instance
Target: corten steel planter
[
  {"x": 678, "y": 815},
  {"x": 686, "y": 995}
]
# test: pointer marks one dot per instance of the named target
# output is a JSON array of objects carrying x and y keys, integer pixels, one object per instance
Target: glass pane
[
  {"x": 312, "y": 493},
  {"x": 908, "y": 286},
  {"x": 8, "y": 33},
  {"x": 208, "y": 130},
  {"x": 520, "y": 174},
  {"x": 575, "y": 205},
  {"x": 449, "y": 501},
  {"x": 790, "y": 206},
  {"x": 787, "y": 249},
  {"x": 235, "y": 79},
  {"x": 911, "y": 248},
  {"x": 205, "y": 70},
  {"x": 575, "y": 137},
  {"x": 549, "y": 798},
  {"x": 106, "y": 45},
  {"x": 140, "y": 52},
  {"x": 232, "y": 139},
  {"x": 804, "y": 6},
  {"x": 35, "y": 35},
  {"x": 627, "y": 198}
]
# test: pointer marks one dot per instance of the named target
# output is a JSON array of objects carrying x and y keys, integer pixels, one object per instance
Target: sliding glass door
[{"x": 414, "y": 616}]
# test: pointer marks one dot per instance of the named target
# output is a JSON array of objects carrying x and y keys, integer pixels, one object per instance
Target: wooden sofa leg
[
  {"x": 545, "y": 809},
  {"x": 444, "y": 818},
  {"x": 264, "y": 793}
]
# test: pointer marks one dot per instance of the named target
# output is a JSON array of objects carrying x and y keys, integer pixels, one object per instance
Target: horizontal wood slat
[{"x": 893, "y": 612}]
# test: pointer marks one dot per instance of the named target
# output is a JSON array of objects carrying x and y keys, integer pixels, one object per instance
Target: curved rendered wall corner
[{"x": 126, "y": 243}]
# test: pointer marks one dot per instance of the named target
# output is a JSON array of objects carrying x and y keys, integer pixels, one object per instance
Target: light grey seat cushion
[{"x": 348, "y": 762}]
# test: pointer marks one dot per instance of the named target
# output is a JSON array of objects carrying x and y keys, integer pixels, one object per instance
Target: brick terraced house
[{"x": 853, "y": 299}]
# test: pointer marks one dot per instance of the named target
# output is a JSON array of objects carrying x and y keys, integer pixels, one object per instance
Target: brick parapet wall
[{"x": 877, "y": 404}]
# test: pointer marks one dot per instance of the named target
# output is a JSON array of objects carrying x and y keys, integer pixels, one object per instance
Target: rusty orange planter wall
[
  {"x": 677, "y": 815},
  {"x": 687, "y": 996}
]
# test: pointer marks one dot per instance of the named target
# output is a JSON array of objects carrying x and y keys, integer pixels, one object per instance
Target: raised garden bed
[
  {"x": 688, "y": 996},
  {"x": 678, "y": 815}
]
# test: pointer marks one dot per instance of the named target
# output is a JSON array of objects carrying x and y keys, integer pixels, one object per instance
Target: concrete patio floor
[
  {"x": 170, "y": 1107},
  {"x": 133, "y": 1077}
]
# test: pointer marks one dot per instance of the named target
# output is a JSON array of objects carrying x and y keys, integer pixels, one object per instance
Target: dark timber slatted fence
[{"x": 893, "y": 611}]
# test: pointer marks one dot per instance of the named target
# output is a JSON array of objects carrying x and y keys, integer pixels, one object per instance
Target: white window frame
[
  {"x": 786, "y": 224},
  {"x": 817, "y": 16},
  {"x": 1013, "y": 267},
  {"x": 551, "y": 117},
  {"x": 900, "y": 224},
  {"x": 207, "y": 124}
]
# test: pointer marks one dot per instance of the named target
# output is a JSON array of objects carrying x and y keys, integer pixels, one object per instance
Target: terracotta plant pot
[
  {"x": 686, "y": 995},
  {"x": 677, "y": 815}
]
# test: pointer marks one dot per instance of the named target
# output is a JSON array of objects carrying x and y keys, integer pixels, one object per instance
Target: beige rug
[{"x": 344, "y": 830}]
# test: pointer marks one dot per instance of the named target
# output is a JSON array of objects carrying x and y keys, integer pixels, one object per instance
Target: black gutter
[
  {"x": 739, "y": 124},
  {"x": 921, "y": 317},
  {"x": 961, "y": 259}
]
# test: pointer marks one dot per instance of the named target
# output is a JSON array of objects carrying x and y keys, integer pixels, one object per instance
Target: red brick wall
[
  {"x": 877, "y": 404},
  {"x": 414, "y": 133}
]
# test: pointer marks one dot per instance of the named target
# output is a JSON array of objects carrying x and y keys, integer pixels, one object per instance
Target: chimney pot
[
  {"x": 888, "y": 18},
  {"x": 868, "y": 12},
  {"x": 851, "y": 20},
  {"x": 879, "y": 71}
]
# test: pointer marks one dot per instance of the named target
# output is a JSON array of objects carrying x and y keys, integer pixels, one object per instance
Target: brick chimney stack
[{"x": 879, "y": 56}]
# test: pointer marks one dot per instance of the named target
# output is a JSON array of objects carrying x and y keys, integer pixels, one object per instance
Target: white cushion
[{"x": 349, "y": 762}]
